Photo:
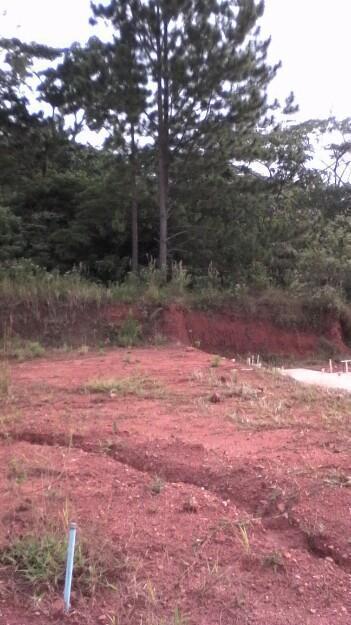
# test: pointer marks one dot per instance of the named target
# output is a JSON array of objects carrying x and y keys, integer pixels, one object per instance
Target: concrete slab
[{"x": 320, "y": 378}]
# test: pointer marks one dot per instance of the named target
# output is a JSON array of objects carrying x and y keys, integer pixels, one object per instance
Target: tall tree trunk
[
  {"x": 163, "y": 201},
  {"x": 163, "y": 136},
  {"x": 134, "y": 211}
]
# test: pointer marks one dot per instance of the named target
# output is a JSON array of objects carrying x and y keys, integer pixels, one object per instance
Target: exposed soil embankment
[{"x": 227, "y": 331}]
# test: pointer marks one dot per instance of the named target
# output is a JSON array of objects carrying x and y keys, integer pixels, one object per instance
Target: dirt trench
[{"x": 191, "y": 465}]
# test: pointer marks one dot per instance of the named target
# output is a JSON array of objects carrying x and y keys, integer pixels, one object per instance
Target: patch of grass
[
  {"x": 106, "y": 446},
  {"x": 22, "y": 283},
  {"x": 273, "y": 560},
  {"x": 83, "y": 349},
  {"x": 147, "y": 388},
  {"x": 130, "y": 332},
  {"x": 268, "y": 414},
  {"x": 244, "y": 391},
  {"x": 64, "y": 349},
  {"x": 215, "y": 362},
  {"x": 244, "y": 538},
  {"x": 338, "y": 478},
  {"x": 306, "y": 394},
  {"x": 159, "y": 339},
  {"x": 17, "y": 471},
  {"x": 243, "y": 421},
  {"x": 327, "y": 408},
  {"x": 7, "y": 420},
  {"x": 5, "y": 380},
  {"x": 197, "y": 376},
  {"x": 38, "y": 563},
  {"x": 210, "y": 577},
  {"x": 24, "y": 350},
  {"x": 177, "y": 618},
  {"x": 157, "y": 486},
  {"x": 229, "y": 385}
]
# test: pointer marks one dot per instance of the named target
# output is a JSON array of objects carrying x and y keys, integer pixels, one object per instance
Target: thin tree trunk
[
  {"x": 135, "y": 234},
  {"x": 163, "y": 131},
  {"x": 163, "y": 201}
]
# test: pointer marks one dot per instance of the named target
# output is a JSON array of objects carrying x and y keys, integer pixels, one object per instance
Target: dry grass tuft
[{"x": 140, "y": 386}]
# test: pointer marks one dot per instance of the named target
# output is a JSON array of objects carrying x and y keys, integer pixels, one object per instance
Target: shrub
[
  {"x": 25, "y": 350},
  {"x": 129, "y": 334}
]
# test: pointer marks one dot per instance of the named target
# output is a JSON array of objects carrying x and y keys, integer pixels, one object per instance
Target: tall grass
[{"x": 23, "y": 283}]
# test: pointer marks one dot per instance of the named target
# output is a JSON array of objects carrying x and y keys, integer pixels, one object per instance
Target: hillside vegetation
[{"x": 197, "y": 169}]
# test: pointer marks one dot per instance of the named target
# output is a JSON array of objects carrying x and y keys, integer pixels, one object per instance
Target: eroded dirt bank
[{"x": 228, "y": 331}]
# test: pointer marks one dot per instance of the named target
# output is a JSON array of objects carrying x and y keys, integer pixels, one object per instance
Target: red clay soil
[
  {"x": 227, "y": 332},
  {"x": 230, "y": 332},
  {"x": 222, "y": 492}
]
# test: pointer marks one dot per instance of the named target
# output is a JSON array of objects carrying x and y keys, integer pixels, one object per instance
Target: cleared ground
[{"x": 205, "y": 492}]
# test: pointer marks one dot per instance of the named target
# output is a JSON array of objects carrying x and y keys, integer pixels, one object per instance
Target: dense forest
[{"x": 195, "y": 164}]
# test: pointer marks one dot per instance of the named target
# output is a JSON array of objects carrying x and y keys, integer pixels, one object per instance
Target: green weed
[
  {"x": 24, "y": 283},
  {"x": 273, "y": 560},
  {"x": 215, "y": 362},
  {"x": 5, "y": 380},
  {"x": 129, "y": 334},
  {"x": 157, "y": 486},
  {"x": 24, "y": 350},
  {"x": 39, "y": 563}
]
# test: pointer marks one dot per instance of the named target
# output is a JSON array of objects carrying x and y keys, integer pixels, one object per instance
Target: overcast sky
[{"x": 310, "y": 37}]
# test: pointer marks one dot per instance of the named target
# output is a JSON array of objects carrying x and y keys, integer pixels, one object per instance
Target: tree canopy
[{"x": 195, "y": 163}]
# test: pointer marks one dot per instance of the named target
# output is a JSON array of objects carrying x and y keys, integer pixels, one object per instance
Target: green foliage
[
  {"x": 246, "y": 214},
  {"x": 39, "y": 563},
  {"x": 129, "y": 333},
  {"x": 24, "y": 350},
  {"x": 24, "y": 282}
]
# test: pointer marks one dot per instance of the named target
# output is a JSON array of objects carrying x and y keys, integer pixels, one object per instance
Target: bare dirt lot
[{"x": 205, "y": 493}]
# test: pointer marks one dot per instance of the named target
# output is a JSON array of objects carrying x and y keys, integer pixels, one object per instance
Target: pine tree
[
  {"x": 205, "y": 66},
  {"x": 102, "y": 85}
]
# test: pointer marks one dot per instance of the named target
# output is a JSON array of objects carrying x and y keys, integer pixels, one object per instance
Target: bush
[
  {"x": 129, "y": 333},
  {"x": 24, "y": 350}
]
